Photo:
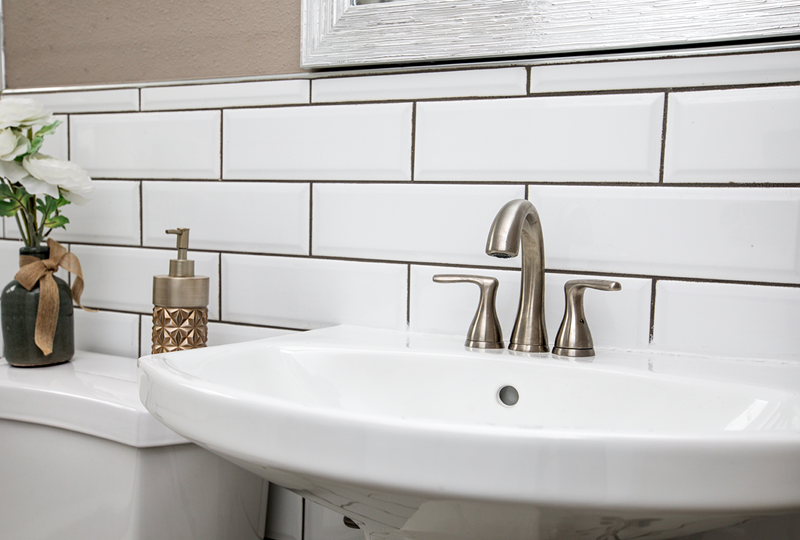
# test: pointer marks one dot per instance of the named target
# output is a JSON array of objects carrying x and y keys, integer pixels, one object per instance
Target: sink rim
[{"x": 288, "y": 344}]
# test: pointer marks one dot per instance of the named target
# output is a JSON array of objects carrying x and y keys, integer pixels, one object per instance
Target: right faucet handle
[
  {"x": 574, "y": 338},
  {"x": 485, "y": 331}
]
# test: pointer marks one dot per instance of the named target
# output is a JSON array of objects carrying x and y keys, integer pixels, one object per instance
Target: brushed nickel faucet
[{"x": 518, "y": 224}]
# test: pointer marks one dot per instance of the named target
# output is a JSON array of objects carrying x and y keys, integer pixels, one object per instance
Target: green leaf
[
  {"x": 55, "y": 222},
  {"x": 18, "y": 195},
  {"x": 61, "y": 201},
  {"x": 36, "y": 144},
  {"x": 46, "y": 206},
  {"x": 46, "y": 130},
  {"x": 37, "y": 139},
  {"x": 9, "y": 208}
]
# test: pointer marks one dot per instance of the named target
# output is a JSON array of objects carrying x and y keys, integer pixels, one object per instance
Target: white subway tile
[
  {"x": 332, "y": 142},
  {"x": 9, "y": 266},
  {"x": 110, "y": 217},
  {"x": 88, "y": 101},
  {"x": 307, "y": 293},
  {"x": 742, "y": 135},
  {"x": 606, "y": 138},
  {"x": 208, "y": 96},
  {"x": 726, "y": 319},
  {"x": 409, "y": 222},
  {"x": 444, "y": 84},
  {"x": 57, "y": 143},
  {"x": 617, "y": 319},
  {"x": 734, "y": 233},
  {"x": 9, "y": 260},
  {"x": 224, "y": 334},
  {"x": 230, "y": 216},
  {"x": 148, "y": 145},
  {"x": 107, "y": 332},
  {"x": 12, "y": 230},
  {"x": 667, "y": 72},
  {"x": 122, "y": 278}
]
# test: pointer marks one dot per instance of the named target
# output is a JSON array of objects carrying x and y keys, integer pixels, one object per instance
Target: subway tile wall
[{"x": 334, "y": 199}]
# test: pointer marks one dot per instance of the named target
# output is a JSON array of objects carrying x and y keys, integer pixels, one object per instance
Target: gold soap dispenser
[{"x": 180, "y": 303}]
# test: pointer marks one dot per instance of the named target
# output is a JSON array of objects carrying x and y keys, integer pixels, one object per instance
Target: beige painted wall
[{"x": 82, "y": 42}]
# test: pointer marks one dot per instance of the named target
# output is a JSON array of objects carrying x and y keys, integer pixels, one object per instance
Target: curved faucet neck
[{"x": 517, "y": 225}]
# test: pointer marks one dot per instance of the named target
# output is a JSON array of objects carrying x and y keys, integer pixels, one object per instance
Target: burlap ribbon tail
[{"x": 34, "y": 270}]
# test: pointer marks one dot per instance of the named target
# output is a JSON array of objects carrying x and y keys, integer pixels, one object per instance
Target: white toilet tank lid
[{"x": 95, "y": 394}]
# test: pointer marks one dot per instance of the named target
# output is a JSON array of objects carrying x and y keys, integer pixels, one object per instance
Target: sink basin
[{"x": 407, "y": 434}]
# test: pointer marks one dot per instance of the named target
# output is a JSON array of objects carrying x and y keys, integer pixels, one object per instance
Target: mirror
[{"x": 375, "y": 32}]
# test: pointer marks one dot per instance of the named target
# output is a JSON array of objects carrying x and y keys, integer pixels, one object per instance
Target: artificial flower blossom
[
  {"x": 51, "y": 176},
  {"x": 13, "y": 144},
  {"x": 23, "y": 112}
]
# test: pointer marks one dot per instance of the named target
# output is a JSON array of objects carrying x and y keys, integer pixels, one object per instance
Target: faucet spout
[{"x": 518, "y": 224}]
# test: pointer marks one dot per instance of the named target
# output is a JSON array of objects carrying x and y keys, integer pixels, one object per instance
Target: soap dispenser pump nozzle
[{"x": 181, "y": 267}]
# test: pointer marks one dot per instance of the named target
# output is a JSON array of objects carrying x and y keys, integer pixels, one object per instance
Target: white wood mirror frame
[{"x": 338, "y": 33}]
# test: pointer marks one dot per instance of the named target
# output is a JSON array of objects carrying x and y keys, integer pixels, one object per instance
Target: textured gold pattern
[{"x": 178, "y": 329}]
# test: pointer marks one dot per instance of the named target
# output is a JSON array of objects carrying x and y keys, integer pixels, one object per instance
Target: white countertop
[{"x": 95, "y": 394}]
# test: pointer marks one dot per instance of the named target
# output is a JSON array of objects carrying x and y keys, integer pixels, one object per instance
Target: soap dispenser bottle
[{"x": 180, "y": 303}]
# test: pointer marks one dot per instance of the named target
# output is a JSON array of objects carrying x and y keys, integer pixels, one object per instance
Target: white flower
[
  {"x": 12, "y": 144},
  {"x": 23, "y": 112},
  {"x": 13, "y": 171},
  {"x": 51, "y": 176}
]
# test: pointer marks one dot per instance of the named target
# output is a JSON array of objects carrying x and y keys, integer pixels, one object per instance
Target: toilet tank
[{"x": 81, "y": 458}]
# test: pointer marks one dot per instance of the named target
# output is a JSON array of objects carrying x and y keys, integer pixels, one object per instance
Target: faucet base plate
[
  {"x": 526, "y": 347},
  {"x": 575, "y": 353}
]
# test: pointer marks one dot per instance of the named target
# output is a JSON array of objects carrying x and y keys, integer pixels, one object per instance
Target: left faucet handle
[{"x": 485, "y": 331}]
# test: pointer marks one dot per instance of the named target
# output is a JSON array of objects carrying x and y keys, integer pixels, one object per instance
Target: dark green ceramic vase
[{"x": 18, "y": 308}]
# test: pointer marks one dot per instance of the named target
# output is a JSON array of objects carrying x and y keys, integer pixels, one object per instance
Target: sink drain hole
[{"x": 508, "y": 396}]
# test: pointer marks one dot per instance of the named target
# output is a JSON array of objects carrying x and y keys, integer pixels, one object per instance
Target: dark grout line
[
  {"x": 219, "y": 286},
  {"x": 139, "y": 345},
  {"x": 310, "y": 218},
  {"x": 652, "y": 309},
  {"x": 465, "y": 183},
  {"x": 413, "y": 136},
  {"x": 408, "y": 296},
  {"x": 141, "y": 213},
  {"x": 528, "y": 75},
  {"x": 69, "y": 138},
  {"x": 663, "y": 139},
  {"x": 221, "y": 142}
]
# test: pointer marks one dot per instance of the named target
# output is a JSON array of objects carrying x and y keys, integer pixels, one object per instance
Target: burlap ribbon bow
[{"x": 34, "y": 270}]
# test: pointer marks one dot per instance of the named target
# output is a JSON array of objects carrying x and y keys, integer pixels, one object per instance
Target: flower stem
[
  {"x": 33, "y": 230},
  {"x": 21, "y": 229}
]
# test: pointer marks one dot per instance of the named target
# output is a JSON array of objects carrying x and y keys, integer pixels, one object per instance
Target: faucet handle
[
  {"x": 574, "y": 338},
  {"x": 485, "y": 331}
]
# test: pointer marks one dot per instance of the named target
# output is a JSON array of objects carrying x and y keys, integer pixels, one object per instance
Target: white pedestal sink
[{"x": 406, "y": 435}]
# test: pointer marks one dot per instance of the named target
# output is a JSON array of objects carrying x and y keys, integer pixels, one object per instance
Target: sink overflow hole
[
  {"x": 350, "y": 523},
  {"x": 508, "y": 396}
]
